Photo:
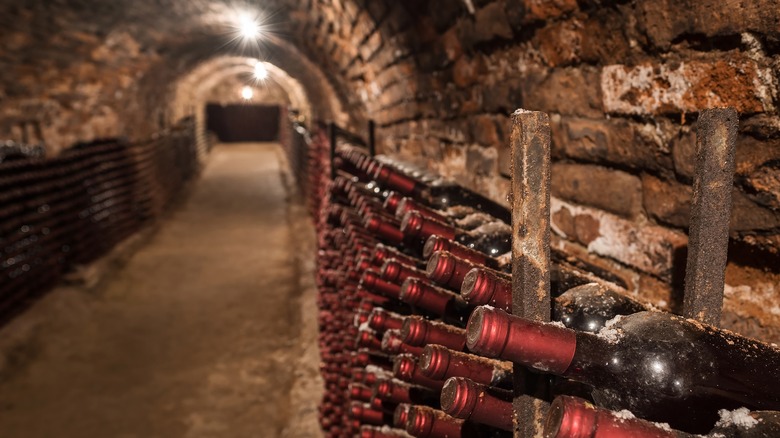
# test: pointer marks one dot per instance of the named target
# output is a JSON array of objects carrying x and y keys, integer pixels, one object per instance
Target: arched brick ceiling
[{"x": 77, "y": 59}]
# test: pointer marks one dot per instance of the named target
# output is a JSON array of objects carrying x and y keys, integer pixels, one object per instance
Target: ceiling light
[
  {"x": 247, "y": 93},
  {"x": 261, "y": 73},
  {"x": 248, "y": 27}
]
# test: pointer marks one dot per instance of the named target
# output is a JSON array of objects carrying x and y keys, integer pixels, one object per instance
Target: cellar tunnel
[{"x": 187, "y": 205}]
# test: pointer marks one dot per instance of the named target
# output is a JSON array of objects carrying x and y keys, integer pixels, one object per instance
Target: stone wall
[{"x": 623, "y": 82}]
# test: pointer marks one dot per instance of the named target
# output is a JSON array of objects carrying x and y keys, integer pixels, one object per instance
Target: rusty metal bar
[
  {"x": 332, "y": 132},
  {"x": 372, "y": 138},
  {"x": 705, "y": 273},
  {"x": 530, "y": 142}
]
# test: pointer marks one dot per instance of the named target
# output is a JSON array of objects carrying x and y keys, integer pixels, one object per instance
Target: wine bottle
[
  {"x": 438, "y": 301},
  {"x": 405, "y": 368},
  {"x": 381, "y": 320},
  {"x": 397, "y": 391},
  {"x": 396, "y": 272},
  {"x": 440, "y": 363},
  {"x": 660, "y": 366},
  {"x": 572, "y": 417},
  {"x": 393, "y": 343},
  {"x": 438, "y": 243},
  {"x": 584, "y": 308},
  {"x": 384, "y": 229},
  {"x": 360, "y": 392},
  {"x": 481, "y": 287},
  {"x": 382, "y": 253},
  {"x": 448, "y": 270},
  {"x": 417, "y": 331},
  {"x": 492, "y": 239},
  {"x": 465, "y": 399},
  {"x": 366, "y": 414},
  {"x": 426, "y": 422},
  {"x": 589, "y": 307}
]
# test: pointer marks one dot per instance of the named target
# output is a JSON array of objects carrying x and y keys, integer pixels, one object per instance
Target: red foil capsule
[
  {"x": 417, "y": 226},
  {"x": 396, "y": 272},
  {"x": 367, "y": 339},
  {"x": 373, "y": 282},
  {"x": 405, "y": 368},
  {"x": 401, "y": 415},
  {"x": 384, "y": 253},
  {"x": 359, "y": 392},
  {"x": 425, "y": 296},
  {"x": 393, "y": 343},
  {"x": 439, "y": 243},
  {"x": 385, "y": 230},
  {"x": 381, "y": 320},
  {"x": 392, "y": 201},
  {"x": 427, "y": 422},
  {"x": 364, "y": 413},
  {"x": 392, "y": 390},
  {"x": 407, "y": 205},
  {"x": 391, "y": 179},
  {"x": 495, "y": 333},
  {"x": 448, "y": 270},
  {"x": 571, "y": 417},
  {"x": 441, "y": 363},
  {"x": 482, "y": 287},
  {"x": 465, "y": 399},
  {"x": 420, "y": 332}
]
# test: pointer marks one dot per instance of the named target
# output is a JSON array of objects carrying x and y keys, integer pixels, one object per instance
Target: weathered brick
[
  {"x": 490, "y": 22},
  {"x": 484, "y": 130},
  {"x": 667, "y": 202},
  {"x": 570, "y": 91},
  {"x": 611, "y": 190},
  {"x": 536, "y": 10},
  {"x": 651, "y": 249},
  {"x": 687, "y": 87},
  {"x": 480, "y": 160},
  {"x": 615, "y": 141},
  {"x": 666, "y": 20}
]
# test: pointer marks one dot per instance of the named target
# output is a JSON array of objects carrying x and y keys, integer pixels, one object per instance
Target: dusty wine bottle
[
  {"x": 419, "y": 332},
  {"x": 438, "y": 301},
  {"x": 660, "y": 366},
  {"x": 393, "y": 343},
  {"x": 441, "y": 363},
  {"x": 397, "y": 391},
  {"x": 492, "y": 239},
  {"x": 405, "y": 368},
  {"x": 465, "y": 399}
]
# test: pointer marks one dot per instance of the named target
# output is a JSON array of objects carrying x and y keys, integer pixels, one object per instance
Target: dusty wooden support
[
  {"x": 530, "y": 141},
  {"x": 332, "y": 132},
  {"x": 705, "y": 273},
  {"x": 371, "y": 138}
]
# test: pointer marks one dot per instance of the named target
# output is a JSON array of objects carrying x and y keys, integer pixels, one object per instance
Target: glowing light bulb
[
  {"x": 261, "y": 73},
  {"x": 247, "y": 93},
  {"x": 248, "y": 27}
]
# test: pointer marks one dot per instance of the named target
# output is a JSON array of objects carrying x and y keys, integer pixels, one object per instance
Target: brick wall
[{"x": 623, "y": 82}]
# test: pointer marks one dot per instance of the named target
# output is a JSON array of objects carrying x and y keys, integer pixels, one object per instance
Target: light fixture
[
  {"x": 248, "y": 26},
  {"x": 261, "y": 72},
  {"x": 247, "y": 93}
]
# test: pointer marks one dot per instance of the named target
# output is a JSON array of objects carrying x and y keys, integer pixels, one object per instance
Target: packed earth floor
[{"x": 205, "y": 329}]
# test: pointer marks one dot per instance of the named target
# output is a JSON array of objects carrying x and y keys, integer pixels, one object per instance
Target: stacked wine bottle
[{"x": 417, "y": 337}]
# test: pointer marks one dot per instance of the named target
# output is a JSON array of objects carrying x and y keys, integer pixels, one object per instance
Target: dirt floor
[{"x": 208, "y": 330}]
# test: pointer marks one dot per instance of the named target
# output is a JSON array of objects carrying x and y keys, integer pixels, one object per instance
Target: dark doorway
[{"x": 243, "y": 123}]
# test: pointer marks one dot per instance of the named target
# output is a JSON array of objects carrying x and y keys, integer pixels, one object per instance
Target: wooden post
[{"x": 530, "y": 141}]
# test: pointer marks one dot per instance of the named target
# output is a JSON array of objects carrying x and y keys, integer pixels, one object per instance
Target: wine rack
[
  {"x": 369, "y": 258},
  {"x": 60, "y": 212}
]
